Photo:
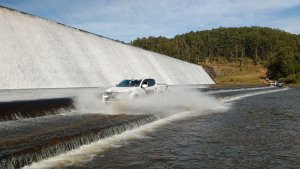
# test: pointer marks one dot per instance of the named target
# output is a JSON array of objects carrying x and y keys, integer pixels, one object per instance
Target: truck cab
[{"x": 129, "y": 89}]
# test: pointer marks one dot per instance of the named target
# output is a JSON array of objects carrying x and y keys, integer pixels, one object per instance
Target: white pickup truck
[{"x": 130, "y": 89}]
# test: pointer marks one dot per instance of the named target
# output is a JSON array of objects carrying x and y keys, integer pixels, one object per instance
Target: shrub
[{"x": 291, "y": 79}]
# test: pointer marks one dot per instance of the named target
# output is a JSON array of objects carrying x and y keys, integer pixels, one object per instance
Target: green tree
[{"x": 278, "y": 50}]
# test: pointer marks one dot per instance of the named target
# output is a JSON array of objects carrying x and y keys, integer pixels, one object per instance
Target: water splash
[
  {"x": 88, "y": 102},
  {"x": 170, "y": 102},
  {"x": 172, "y": 106},
  {"x": 188, "y": 102},
  {"x": 88, "y": 152}
]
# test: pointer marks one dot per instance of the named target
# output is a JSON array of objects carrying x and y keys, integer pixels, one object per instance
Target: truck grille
[{"x": 112, "y": 94}]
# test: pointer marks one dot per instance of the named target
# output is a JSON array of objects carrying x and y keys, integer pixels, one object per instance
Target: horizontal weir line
[
  {"x": 240, "y": 96},
  {"x": 15, "y": 110},
  {"x": 30, "y": 155},
  {"x": 86, "y": 152}
]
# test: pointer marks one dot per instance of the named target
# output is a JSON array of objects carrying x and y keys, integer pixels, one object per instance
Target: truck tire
[{"x": 135, "y": 97}]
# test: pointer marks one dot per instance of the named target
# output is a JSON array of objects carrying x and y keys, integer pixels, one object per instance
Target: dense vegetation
[{"x": 279, "y": 51}]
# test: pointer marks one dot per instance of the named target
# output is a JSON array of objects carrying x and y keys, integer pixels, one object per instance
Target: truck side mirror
[{"x": 144, "y": 85}]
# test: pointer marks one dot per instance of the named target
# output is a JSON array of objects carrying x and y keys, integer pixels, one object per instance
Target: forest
[{"x": 277, "y": 50}]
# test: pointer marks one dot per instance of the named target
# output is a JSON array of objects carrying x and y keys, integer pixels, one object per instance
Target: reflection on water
[{"x": 261, "y": 131}]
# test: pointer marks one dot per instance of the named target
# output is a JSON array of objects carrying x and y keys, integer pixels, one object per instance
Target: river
[{"x": 260, "y": 128}]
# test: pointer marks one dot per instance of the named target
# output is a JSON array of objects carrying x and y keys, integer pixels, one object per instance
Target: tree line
[{"x": 278, "y": 50}]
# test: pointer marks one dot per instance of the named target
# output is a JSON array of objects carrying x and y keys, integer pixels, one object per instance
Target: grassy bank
[{"x": 237, "y": 72}]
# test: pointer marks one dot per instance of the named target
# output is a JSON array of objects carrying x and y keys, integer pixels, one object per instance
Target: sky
[{"x": 126, "y": 20}]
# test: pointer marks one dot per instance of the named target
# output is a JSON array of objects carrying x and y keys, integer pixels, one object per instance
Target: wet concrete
[
  {"x": 33, "y": 108},
  {"x": 28, "y": 140}
]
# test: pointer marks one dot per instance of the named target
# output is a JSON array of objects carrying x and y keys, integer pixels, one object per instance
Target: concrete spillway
[
  {"x": 38, "y": 53},
  {"x": 53, "y": 135}
]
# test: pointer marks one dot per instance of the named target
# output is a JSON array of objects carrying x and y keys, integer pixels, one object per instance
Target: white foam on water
[
  {"x": 240, "y": 96},
  {"x": 88, "y": 102},
  {"x": 88, "y": 152},
  {"x": 240, "y": 89},
  {"x": 188, "y": 102},
  {"x": 169, "y": 102}
]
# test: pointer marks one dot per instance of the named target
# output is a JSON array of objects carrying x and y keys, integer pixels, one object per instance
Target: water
[
  {"x": 52, "y": 135},
  {"x": 258, "y": 131},
  {"x": 39, "y": 53}
]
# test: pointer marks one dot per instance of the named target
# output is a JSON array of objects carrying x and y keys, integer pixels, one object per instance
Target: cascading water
[
  {"x": 21, "y": 157},
  {"x": 67, "y": 132},
  {"x": 15, "y": 110}
]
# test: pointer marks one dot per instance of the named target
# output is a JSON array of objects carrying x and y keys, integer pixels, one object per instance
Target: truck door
[{"x": 151, "y": 86}]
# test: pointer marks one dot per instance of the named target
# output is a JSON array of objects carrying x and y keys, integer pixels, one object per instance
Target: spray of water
[
  {"x": 88, "y": 102},
  {"x": 168, "y": 103},
  {"x": 86, "y": 153},
  {"x": 174, "y": 104}
]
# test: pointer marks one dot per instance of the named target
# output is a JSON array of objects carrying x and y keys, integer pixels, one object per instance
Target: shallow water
[
  {"x": 261, "y": 131},
  {"x": 237, "y": 127}
]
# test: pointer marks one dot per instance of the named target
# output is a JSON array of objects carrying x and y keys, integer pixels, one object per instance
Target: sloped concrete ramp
[{"x": 38, "y": 53}]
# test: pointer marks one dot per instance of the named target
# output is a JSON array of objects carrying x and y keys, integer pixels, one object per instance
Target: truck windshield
[{"x": 129, "y": 83}]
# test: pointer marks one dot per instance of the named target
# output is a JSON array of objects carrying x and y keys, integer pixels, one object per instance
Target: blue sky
[{"x": 126, "y": 20}]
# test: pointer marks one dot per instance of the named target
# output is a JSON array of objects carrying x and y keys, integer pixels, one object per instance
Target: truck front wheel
[{"x": 135, "y": 97}]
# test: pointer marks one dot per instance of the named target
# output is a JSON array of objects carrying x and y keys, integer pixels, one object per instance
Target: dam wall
[
  {"x": 54, "y": 135},
  {"x": 39, "y": 53}
]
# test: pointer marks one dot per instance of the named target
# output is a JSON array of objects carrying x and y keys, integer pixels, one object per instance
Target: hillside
[{"x": 254, "y": 52}]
